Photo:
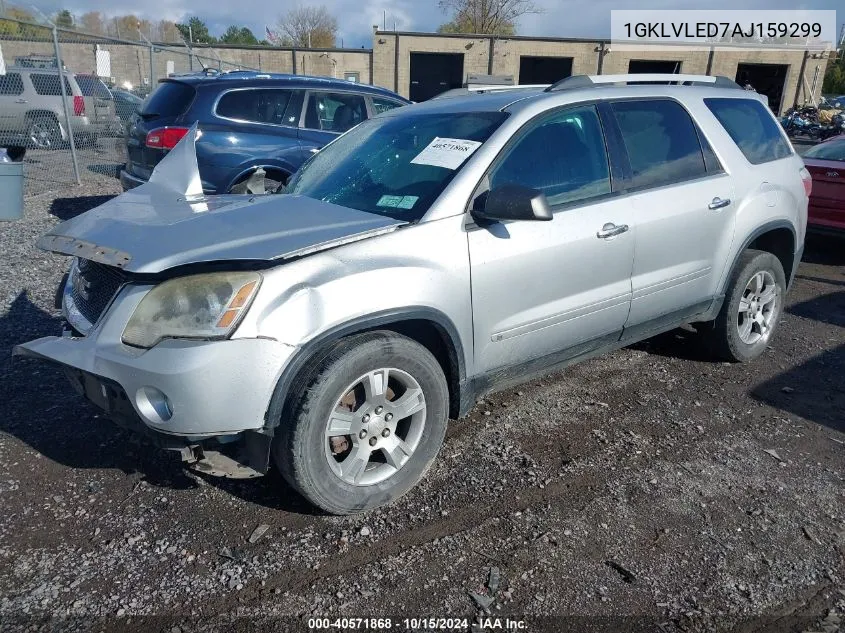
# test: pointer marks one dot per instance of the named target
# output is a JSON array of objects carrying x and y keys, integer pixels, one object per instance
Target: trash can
[{"x": 11, "y": 183}]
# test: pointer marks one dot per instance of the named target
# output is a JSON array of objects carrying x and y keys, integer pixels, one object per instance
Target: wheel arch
[
  {"x": 427, "y": 326},
  {"x": 245, "y": 171},
  {"x": 778, "y": 238}
]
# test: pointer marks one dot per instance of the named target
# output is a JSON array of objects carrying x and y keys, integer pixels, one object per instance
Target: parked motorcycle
[{"x": 800, "y": 123}]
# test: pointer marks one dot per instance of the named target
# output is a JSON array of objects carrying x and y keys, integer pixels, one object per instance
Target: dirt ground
[{"x": 649, "y": 489}]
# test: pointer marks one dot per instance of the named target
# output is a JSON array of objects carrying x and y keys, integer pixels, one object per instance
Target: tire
[
  {"x": 341, "y": 388},
  {"x": 43, "y": 132},
  {"x": 730, "y": 337}
]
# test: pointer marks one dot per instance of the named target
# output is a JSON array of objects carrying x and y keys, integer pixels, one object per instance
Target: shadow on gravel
[
  {"x": 811, "y": 390},
  {"x": 822, "y": 249},
  {"x": 67, "y": 208},
  {"x": 680, "y": 343},
  {"x": 828, "y": 308},
  {"x": 39, "y": 407}
]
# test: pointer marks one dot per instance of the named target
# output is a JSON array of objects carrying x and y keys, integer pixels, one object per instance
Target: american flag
[{"x": 272, "y": 36}]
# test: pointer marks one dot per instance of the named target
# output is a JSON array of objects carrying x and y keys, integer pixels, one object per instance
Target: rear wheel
[
  {"x": 366, "y": 424},
  {"x": 43, "y": 132},
  {"x": 752, "y": 308},
  {"x": 260, "y": 182}
]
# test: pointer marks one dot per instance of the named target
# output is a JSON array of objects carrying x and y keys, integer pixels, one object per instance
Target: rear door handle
[
  {"x": 611, "y": 230},
  {"x": 719, "y": 203},
  {"x": 20, "y": 101}
]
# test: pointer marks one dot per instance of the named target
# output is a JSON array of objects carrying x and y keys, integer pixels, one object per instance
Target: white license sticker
[
  {"x": 446, "y": 152},
  {"x": 398, "y": 202}
]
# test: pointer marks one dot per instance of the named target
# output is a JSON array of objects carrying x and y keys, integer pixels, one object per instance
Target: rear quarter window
[
  {"x": 170, "y": 99},
  {"x": 752, "y": 127},
  {"x": 48, "y": 85}
]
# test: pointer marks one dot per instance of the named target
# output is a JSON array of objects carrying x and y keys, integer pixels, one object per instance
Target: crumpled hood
[{"x": 150, "y": 229}]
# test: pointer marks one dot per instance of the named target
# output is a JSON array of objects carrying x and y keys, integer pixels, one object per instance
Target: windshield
[
  {"x": 395, "y": 166},
  {"x": 832, "y": 150}
]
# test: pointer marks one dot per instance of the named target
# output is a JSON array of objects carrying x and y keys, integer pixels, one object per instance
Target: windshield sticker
[
  {"x": 446, "y": 152},
  {"x": 397, "y": 202},
  {"x": 408, "y": 202}
]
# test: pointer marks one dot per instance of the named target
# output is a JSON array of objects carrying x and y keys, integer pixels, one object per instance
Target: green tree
[
  {"x": 64, "y": 19},
  {"x": 195, "y": 31},
  {"x": 238, "y": 35},
  {"x": 834, "y": 78}
]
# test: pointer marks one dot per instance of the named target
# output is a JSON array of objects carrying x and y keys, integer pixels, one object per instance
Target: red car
[{"x": 826, "y": 163}]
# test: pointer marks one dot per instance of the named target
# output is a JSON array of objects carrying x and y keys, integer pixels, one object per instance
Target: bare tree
[
  {"x": 309, "y": 27},
  {"x": 92, "y": 22},
  {"x": 489, "y": 17}
]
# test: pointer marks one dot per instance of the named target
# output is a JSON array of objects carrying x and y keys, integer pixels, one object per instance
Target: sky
[{"x": 560, "y": 18}]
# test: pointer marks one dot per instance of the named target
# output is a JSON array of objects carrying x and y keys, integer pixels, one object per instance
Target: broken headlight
[{"x": 207, "y": 306}]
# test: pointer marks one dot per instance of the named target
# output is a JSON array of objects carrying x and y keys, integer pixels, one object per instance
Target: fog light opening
[{"x": 154, "y": 405}]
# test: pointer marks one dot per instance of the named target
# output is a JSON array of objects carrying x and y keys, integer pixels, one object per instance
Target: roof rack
[
  {"x": 585, "y": 81},
  {"x": 497, "y": 87}
]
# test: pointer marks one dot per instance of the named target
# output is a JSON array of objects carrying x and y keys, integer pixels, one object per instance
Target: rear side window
[
  {"x": 170, "y": 99},
  {"x": 334, "y": 111},
  {"x": 661, "y": 141},
  {"x": 11, "y": 84},
  {"x": 752, "y": 127},
  {"x": 48, "y": 85},
  {"x": 383, "y": 105},
  {"x": 259, "y": 105}
]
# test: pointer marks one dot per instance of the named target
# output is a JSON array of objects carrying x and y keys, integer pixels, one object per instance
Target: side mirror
[{"x": 512, "y": 202}]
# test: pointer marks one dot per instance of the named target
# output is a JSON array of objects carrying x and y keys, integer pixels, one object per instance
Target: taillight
[
  {"x": 78, "y": 105},
  {"x": 807, "y": 179},
  {"x": 165, "y": 137}
]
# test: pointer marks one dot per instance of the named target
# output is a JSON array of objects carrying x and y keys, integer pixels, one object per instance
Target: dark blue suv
[{"x": 248, "y": 120}]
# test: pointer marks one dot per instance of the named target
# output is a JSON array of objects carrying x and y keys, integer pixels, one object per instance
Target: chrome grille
[{"x": 93, "y": 286}]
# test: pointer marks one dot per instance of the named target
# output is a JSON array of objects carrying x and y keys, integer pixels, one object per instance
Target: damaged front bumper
[{"x": 182, "y": 394}]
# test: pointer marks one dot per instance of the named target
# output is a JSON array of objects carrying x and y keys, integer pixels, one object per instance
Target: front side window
[
  {"x": 259, "y": 105},
  {"x": 334, "y": 111},
  {"x": 661, "y": 142},
  {"x": 563, "y": 155},
  {"x": 49, "y": 85},
  {"x": 11, "y": 84},
  {"x": 395, "y": 165},
  {"x": 752, "y": 127}
]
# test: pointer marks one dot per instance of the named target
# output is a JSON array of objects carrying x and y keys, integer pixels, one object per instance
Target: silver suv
[
  {"x": 31, "y": 108},
  {"x": 425, "y": 257}
]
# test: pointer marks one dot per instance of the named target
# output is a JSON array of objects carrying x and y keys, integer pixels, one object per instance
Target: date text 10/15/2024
[{"x": 439, "y": 624}]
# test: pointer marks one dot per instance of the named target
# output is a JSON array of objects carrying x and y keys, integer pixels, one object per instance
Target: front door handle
[
  {"x": 20, "y": 101},
  {"x": 611, "y": 230},
  {"x": 719, "y": 203}
]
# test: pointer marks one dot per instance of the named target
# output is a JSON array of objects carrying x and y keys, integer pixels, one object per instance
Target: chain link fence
[{"x": 74, "y": 128}]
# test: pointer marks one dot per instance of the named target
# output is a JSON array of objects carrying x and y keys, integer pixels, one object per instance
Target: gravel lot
[{"x": 648, "y": 489}]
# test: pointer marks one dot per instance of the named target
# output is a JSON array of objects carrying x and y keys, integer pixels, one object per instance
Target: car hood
[{"x": 150, "y": 229}]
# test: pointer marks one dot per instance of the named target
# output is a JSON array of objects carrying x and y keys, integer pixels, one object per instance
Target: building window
[{"x": 353, "y": 77}]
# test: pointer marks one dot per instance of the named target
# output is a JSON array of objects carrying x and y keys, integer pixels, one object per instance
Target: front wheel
[
  {"x": 366, "y": 424},
  {"x": 752, "y": 308}
]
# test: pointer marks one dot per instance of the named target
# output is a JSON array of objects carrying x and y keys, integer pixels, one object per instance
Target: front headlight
[{"x": 207, "y": 306}]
